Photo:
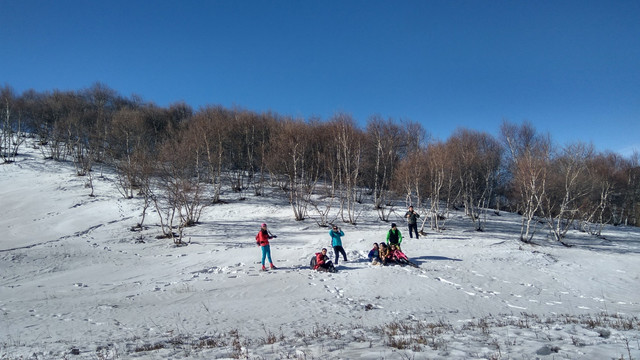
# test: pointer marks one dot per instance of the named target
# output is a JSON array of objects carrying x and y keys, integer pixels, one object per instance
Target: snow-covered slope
[{"x": 76, "y": 282}]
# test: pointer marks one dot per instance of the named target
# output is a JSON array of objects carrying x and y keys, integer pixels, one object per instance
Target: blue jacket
[{"x": 335, "y": 237}]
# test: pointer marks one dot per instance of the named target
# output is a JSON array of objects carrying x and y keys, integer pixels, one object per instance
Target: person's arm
[{"x": 399, "y": 237}]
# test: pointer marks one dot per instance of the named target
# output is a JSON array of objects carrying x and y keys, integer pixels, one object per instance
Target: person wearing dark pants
[
  {"x": 336, "y": 233},
  {"x": 394, "y": 236},
  {"x": 412, "y": 219}
]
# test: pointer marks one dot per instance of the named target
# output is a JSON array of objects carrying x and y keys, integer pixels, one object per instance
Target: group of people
[{"x": 384, "y": 254}]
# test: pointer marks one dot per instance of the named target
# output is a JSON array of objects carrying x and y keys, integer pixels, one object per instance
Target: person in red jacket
[
  {"x": 262, "y": 239},
  {"x": 323, "y": 263}
]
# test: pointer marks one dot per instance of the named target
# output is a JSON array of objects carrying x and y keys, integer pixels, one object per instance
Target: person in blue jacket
[{"x": 336, "y": 233}]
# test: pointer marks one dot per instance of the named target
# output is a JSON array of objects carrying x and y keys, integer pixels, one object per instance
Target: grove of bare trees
[{"x": 179, "y": 160}]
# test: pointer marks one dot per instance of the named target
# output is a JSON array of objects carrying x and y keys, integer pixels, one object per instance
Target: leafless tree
[
  {"x": 178, "y": 195},
  {"x": 208, "y": 129},
  {"x": 384, "y": 143},
  {"x": 566, "y": 188},
  {"x": 294, "y": 154},
  {"x": 11, "y": 136},
  {"x": 126, "y": 142},
  {"x": 529, "y": 156},
  {"x": 348, "y": 141},
  {"x": 443, "y": 182},
  {"x": 477, "y": 156},
  {"x": 53, "y": 130},
  {"x": 604, "y": 175},
  {"x": 630, "y": 199},
  {"x": 245, "y": 142}
]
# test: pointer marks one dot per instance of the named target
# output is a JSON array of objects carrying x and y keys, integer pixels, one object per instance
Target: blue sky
[{"x": 571, "y": 68}]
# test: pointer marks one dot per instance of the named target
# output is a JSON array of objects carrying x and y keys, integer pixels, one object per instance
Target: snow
[{"x": 77, "y": 283}]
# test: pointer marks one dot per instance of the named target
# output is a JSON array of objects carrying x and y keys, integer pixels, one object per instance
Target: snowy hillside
[{"x": 77, "y": 283}]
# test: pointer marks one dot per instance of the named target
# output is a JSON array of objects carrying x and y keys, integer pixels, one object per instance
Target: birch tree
[
  {"x": 348, "y": 147},
  {"x": 529, "y": 156}
]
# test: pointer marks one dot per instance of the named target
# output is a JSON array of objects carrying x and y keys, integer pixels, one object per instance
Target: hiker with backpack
[
  {"x": 321, "y": 262},
  {"x": 262, "y": 239},
  {"x": 336, "y": 234},
  {"x": 394, "y": 236}
]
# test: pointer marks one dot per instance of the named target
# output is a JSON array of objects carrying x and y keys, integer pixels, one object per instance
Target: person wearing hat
[
  {"x": 394, "y": 236},
  {"x": 262, "y": 239}
]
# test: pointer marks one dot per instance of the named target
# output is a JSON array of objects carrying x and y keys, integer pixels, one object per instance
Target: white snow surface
[{"x": 77, "y": 283}]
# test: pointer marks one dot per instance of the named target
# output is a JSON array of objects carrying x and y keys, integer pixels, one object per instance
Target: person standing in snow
[
  {"x": 394, "y": 236},
  {"x": 262, "y": 239},
  {"x": 336, "y": 233},
  {"x": 412, "y": 220}
]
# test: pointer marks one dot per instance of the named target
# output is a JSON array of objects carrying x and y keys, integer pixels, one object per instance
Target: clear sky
[{"x": 571, "y": 68}]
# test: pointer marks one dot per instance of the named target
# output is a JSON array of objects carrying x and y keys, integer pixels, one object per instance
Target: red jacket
[
  {"x": 263, "y": 238},
  {"x": 320, "y": 259}
]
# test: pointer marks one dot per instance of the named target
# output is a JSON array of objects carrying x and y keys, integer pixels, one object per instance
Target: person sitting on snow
[
  {"x": 374, "y": 254},
  {"x": 399, "y": 257},
  {"x": 323, "y": 263},
  {"x": 385, "y": 254}
]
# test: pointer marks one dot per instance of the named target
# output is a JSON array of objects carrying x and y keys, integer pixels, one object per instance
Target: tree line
[{"x": 179, "y": 160}]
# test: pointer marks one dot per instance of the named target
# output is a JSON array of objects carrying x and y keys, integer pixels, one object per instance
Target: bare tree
[
  {"x": 477, "y": 156},
  {"x": 348, "y": 156},
  {"x": 528, "y": 159},
  {"x": 11, "y": 136},
  {"x": 443, "y": 181},
  {"x": 566, "y": 187},
  {"x": 628, "y": 201},
  {"x": 245, "y": 142},
  {"x": 293, "y": 153},
  {"x": 383, "y": 146},
  {"x": 179, "y": 192},
  {"x": 208, "y": 130},
  {"x": 606, "y": 178},
  {"x": 127, "y": 139},
  {"x": 53, "y": 131}
]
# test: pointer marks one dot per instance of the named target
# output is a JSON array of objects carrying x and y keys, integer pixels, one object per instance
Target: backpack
[{"x": 313, "y": 262}]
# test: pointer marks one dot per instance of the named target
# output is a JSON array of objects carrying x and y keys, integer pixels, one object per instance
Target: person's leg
[
  {"x": 410, "y": 232},
  {"x": 330, "y": 267},
  {"x": 415, "y": 228},
  {"x": 337, "y": 252},
  {"x": 344, "y": 254},
  {"x": 264, "y": 253},
  {"x": 268, "y": 255}
]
